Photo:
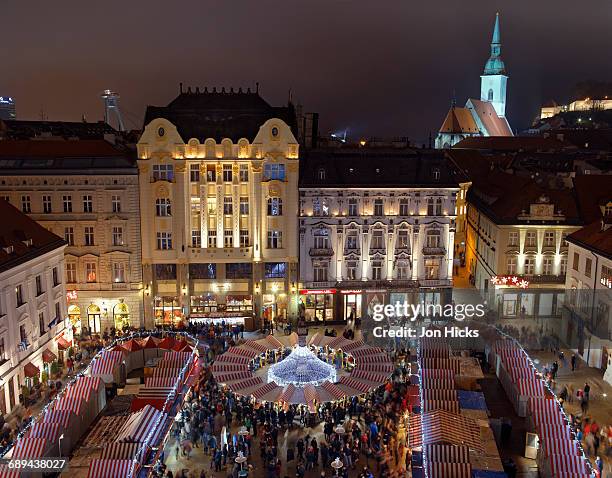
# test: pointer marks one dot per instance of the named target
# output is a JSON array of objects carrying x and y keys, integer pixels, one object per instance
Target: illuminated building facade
[
  {"x": 377, "y": 226},
  {"x": 33, "y": 311},
  {"x": 218, "y": 202},
  {"x": 7, "y": 108},
  {"x": 85, "y": 191}
]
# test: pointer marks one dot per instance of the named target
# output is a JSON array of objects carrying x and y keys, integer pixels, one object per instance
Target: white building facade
[
  {"x": 33, "y": 312},
  {"x": 373, "y": 230}
]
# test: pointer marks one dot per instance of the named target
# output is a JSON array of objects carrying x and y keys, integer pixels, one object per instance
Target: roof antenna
[{"x": 257, "y": 87}]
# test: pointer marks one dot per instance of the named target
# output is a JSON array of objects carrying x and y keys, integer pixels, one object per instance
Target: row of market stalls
[
  {"x": 66, "y": 419},
  {"x": 370, "y": 367},
  {"x": 558, "y": 452},
  {"x": 449, "y": 430}
]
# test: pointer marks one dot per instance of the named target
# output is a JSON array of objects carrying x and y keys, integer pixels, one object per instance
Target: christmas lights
[
  {"x": 301, "y": 367},
  {"x": 420, "y": 376}
]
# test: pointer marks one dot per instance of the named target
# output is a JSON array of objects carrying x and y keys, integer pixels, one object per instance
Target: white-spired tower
[{"x": 493, "y": 81}]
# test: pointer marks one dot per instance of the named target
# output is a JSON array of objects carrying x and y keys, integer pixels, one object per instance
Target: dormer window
[
  {"x": 321, "y": 174},
  {"x": 435, "y": 173},
  {"x": 8, "y": 249}
]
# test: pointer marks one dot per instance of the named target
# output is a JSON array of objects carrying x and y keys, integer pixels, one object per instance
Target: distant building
[
  {"x": 7, "y": 108},
  {"x": 33, "y": 314},
  {"x": 588, "y": 104},
  {"x": 486, "y": 116},
  {"x": 219, "y": 192},
  {"x": 26, "y": 129},
  {"x": 377, "y": 226},
  {"x": 86, "y": 192}
]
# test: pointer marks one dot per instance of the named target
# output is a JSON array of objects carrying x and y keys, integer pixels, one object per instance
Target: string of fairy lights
[
  {"x": 421, "y": 401},
  {"x": 557, "y": 400}
]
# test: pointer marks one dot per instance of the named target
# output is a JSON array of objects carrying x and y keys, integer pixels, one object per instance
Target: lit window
[
  {"x": 117, "y": 236},
  {"x": 275, "y": 207},
  {"x": 119, "y": 272},
  {"x": 274, "y": 171},
  {"x": 90, "y": 271}
]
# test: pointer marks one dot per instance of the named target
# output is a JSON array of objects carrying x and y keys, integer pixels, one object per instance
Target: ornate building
[
  {"x": 376, "y": 226},
  {"x": 218, "y": 193},
  {"x": 33, "y": 314},
  {"x": 85, "y": 191}
]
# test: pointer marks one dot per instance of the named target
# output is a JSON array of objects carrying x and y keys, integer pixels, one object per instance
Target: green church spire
[{"x": 495, "y": 65}]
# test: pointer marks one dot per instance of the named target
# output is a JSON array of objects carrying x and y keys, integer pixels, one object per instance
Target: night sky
[{"x": 383, "y": 68}]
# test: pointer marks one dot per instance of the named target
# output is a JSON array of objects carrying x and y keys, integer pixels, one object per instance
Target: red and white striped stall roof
[
  {"x": 157, "y": 392},
  {"x": 440, "y": 453},
  {"x": 448, "y": 405},
  {"x": 438, "y": 383},
  {"x": 443, "y": 426},
  {"x": 62, "y": 417},
  {"x": 355, "y": 384},
  {"x": 353, "y": 345},
  {"x": 48, "y": 431},
  {"x": 373, "y": 359},
  {"x": 166, "y": 372},
  {"x": 338, "y": 343},
  {"x": 438, "y": 373},
  {"x": 572, "y": 464},
  {"x": 316, "y": 339},
  {"x": 287, "y": 393},
  {"x": 6, "y": 472},
  {"x": 429, "y": 363},
  {"x": 377, "y": 377},
  {"x": 109, "y": 468},
  {"x": 247, "y": 383},
  {"x": 28, "y": 447},
  {"x": 140, "y": 424},
  {"x": 175, "y": 359},
  {"x": 511, "y": 352},
  {"x": 264, "y": 390},
  {"x": 168, "y": 382},
  {"x": 243, "y": 352},
  {"x": 501, "y": 344},
  {"x": 310, "y": 393},
  {"x": 73, "y": 404},
  {"x": 375, "y": 367},
  {"x": 231, "y": 358},
  {"x": 259, "y": 346},
  {"x": 365, "y": 352},
  {"x": 415, "y": 435},
  {"x": 294, "y": 339},
  {"x": 83, "y": 387},
  {"x": 107, "y": 361},
  {"x": 436, "y": 394},
  {"x": 449, "y": 470},
  {"x": 119, "y": 451},
  {"x": 274, "y": 342},
  {"x": 530, "y": 387},
  {"x": 565, "y": 446},
  {"x": 232, "y": 377},
  {"x": 228, "y": 367},
  {"x": 334, "y": 391}
]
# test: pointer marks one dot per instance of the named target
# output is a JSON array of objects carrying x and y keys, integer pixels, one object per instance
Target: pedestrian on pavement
[
  {"x": 600, "y": 466},
  {"x": 587, "y": 390},
  {"x": 573, "y": 362}
]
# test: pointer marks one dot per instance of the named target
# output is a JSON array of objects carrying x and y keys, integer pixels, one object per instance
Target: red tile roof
[
  {"x": 495, "y": 125},
  {"x": 459, "y": 120},
  {"x": 18, "y": 229},
  {"x": 513, "y": 143},
  {"x": 596, "y": 237},
  {"x": 593, "y": 191}
]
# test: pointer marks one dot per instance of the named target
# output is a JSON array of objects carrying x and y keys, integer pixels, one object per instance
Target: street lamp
[{"x": 336, "y": 465}]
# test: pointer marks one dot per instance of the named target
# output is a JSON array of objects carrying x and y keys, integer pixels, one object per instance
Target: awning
[
  {"x": 63, "y": 344},
  {"x": 31, "y": 370},
  {"x": 48, "y": 356}
]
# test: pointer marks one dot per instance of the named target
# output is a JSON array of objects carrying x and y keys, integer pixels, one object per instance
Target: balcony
[
  {"x": 349, "y": 250},
  {"x": 434, "y": 251},
  {"x": 321, "y": 252},
  {"x": 377, "y": 250},
  {"x": 402, "y": 250}
]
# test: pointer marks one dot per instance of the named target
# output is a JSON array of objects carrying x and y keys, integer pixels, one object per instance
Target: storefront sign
[
  {"x": 317, "y": 291},
  {"x": 217, "y": 315},
  {"x": 71, "y": 295},
  {"x": 351, "y": 291}
]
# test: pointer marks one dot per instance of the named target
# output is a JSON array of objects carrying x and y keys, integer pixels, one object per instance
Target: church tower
[{"x": 493, "y": 81}]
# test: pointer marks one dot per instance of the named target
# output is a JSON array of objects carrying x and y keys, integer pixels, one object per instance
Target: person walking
[{"x": 573, "y": 360}]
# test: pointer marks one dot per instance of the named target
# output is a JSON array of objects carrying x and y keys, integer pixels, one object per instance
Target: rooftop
[
  {"x": 212, "y": 113},
  {"x": 18, "y": 157},
  {"x": 592, "y": 193},
  {"x": 19, "y": 129},
  {"x": 596, "y": 237},
  {"x": 459, "y": 120},
  {"x": 375, "y": 167},
  {"x": 513, "y": 143},
  {"x": 22, "y": 239}
]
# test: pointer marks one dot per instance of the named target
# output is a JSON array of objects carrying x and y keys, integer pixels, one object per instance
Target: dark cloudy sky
[{"x": 376, "y": 67}]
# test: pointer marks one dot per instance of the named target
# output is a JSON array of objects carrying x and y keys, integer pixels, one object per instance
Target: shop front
[
  {"x": 121, "y": 315},
  {"x": 167, "y": 311},
  {"x": 93, "y": 318},
  {"x": 374, "y": 298},
  {"x": 317, "y": 305},
  {"x": 351, "y": 304},
  {"x": 74, "y": 315},
  {"x": 233, "y": 309}
]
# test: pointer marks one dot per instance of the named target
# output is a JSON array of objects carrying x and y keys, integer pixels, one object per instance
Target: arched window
[{"x": 490, "y": 95}]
